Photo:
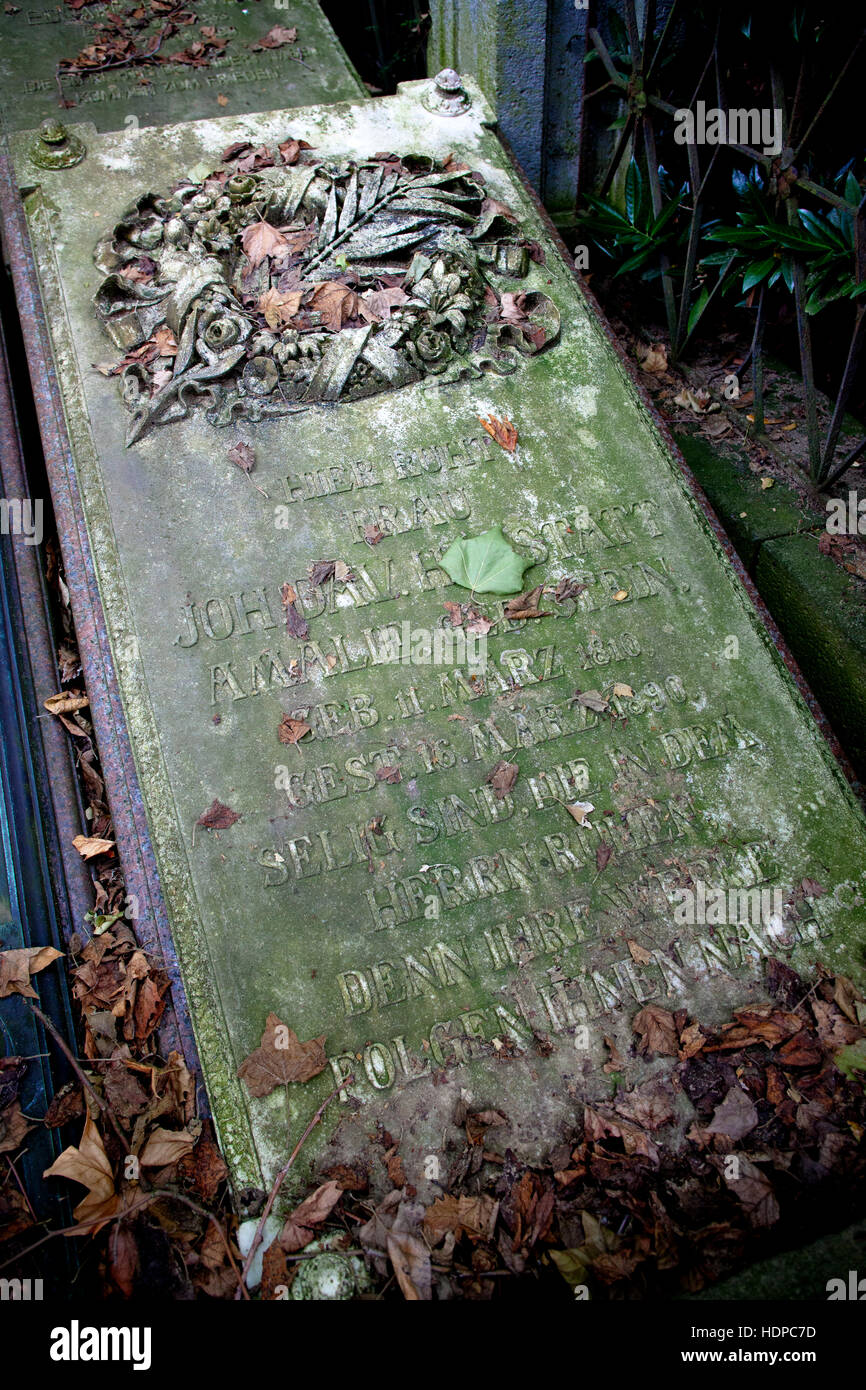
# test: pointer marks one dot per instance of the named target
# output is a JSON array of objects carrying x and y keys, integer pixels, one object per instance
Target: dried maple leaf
[
  {"x": 502, "y": 778},
  {"x": 635, "y": 1140},
  {"x": 292, "y": 730},
  {"x": 275, "y": 1273},
  {"x": 300, "y": 1227},
  {"x": 296, "y": 625},
  {"x": 373, "y": 535},
  {"x": 335, "y": 303},
  {"x": 474, "y": 1217},
  {"x": 276, "y": 38},
  {"x": 503, "y": 431},
  {"x": 260, "y": 241},
  {"x": 477, "y": 625},
  {"x": 637, "y": 952},
  {"x": 89, "y": 846},
  {"x": 280, "y": 308},
  {"x": 375, "y": 306},
  {"x": 88, "y": 1164},
  {"x": 394, "y": 1164},
  {"x": 217, "y": 816},
  {"x": 281, "y": 1058},
  {"x": 165, "y": 342}
]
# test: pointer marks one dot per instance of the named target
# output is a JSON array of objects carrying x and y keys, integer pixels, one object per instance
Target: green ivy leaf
[
  {"x": 852, "y": 1059},
  {"x": 485, "y": 564}
]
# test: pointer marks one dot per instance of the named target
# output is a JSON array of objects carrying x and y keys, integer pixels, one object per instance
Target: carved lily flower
[{"x": 441, "y": 290}]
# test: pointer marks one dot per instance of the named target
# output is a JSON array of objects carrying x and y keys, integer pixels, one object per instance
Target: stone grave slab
[
  {"x": 230, "y": 80},
  {"x": 308, "y": 548}
]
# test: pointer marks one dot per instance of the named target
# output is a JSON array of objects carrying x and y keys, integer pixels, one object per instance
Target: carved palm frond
[{"x": 415, "y": 208}]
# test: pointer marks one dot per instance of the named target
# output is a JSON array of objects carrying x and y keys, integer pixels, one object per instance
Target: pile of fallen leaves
[
  {"x": 142, "y": 36},
  {"x": 750, "y": 1142}
]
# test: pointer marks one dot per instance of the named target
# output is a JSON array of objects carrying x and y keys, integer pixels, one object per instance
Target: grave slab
[
  {"x": 365, "y": 823},
  {"x": 229, "y": 80}
]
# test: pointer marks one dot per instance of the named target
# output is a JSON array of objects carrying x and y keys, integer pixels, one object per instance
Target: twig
[
  {"x": 82, "y": 1077},
  {"x": 278, "y": 1180}
]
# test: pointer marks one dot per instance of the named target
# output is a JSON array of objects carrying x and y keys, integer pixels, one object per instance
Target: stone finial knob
[
  {"x": 445, "y": 96},
  {"x": 55, "y": 148}
]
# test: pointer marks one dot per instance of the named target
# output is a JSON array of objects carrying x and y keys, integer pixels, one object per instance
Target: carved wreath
[{"x": 266, "y": 289}]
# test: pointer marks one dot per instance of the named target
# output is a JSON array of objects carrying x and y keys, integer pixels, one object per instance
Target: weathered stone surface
[
  {"x": 387, "y": 882},
  {"x": 35, "y": 37}
]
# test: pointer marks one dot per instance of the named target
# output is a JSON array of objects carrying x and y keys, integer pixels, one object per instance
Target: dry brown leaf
[
  {"x": 89, "y": 846},
  {"x": 735, "y": 1117},
  {"x": 280, "y": 308},
  {"x": 290, "y": 150},
  {"x": 300, "y": 1227},
  {"x": 88, "y": 1164},
  {"x": 525, "y": 606},
  {"x": 750, "y": 1186},
  {"x": 656, "y": 359},
  {"x": 650, "y": 1105},
  {"x": 65, "y": 702},
  {"x": 14, "y": 1125},
  {"x": 260, "y": 241},
  {"x": 502, "y": 778},
  {"x": 389, "y": 774},
  {"x": 410, "y": 1259},
  {"x": 335, "y": 303},
  {"x": 244, "y": 456},
  {"x": 592, "y": 699},
  {"x": 165, "y": 342},
  {"x": 281, "y": 1058},
  {"x": 276, "y": 38},
  {"x": 166, "y": 1146},
  {"x": 503, "y": 431},
  {"x": 292, "y": 730},
  {"x": 217, "y": 816},
  {"x": 638, "y": 954},
  {"x": 296, "y": 624},
  {"x": 375, "y": 306},
  {"x": 17, "y": 966},
  {"x": 579, "y": 810},
  {"x": 474, "y": 1217},
  {"x": 657, "y": 1030}
]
